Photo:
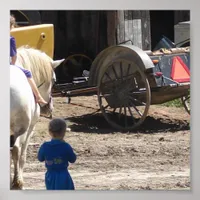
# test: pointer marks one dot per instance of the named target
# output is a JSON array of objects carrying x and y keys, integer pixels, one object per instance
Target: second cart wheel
[
  {"x": 75, "y": 64},
  {"x": 186, "y": 103},
  {"x": 124, "y": 95}
]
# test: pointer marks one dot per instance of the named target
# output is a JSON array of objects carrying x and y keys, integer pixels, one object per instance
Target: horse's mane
[{"x": 37, "y": 62}]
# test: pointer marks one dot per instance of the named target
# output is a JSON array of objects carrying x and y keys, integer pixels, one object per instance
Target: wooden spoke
[
  {"x": 108, "y": 76},
  {"x": 114, "y": 110},
  {"x": 113, "y": 68},
  {"x": 106, "y": 106},
  {"x": 120, "y": 111},
  {"x": 131, "y": 113},
  {"x": 137, "y": 110},
  {"x": 186, "y": 103},
  {"x": 129, "y": 66},
  {"x": 136, "y": 100},
  {"x": 121, "y": 70},
  {"x": 186, "y": 98},
  {"x": 125, "y": 116}
]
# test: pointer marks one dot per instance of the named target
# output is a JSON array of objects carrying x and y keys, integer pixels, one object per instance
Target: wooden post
[
  {"x": 120, "y": 26},
  {"x": 111, "y": 27}
]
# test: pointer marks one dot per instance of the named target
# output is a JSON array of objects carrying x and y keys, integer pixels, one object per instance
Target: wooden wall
[
  {"x": 181, "y": 16},
  {"x": 135, "y": 26},
  {"x": 78, "y": 31},
  {"x": 90, "y": 32}
]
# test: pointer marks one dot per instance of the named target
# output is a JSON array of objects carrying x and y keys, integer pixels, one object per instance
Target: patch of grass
[{"x": 174, "y": 103}]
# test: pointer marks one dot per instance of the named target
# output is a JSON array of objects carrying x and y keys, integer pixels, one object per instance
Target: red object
[
  {"x": 180, "y": 72},
  {"x": 158, "y": 74}
]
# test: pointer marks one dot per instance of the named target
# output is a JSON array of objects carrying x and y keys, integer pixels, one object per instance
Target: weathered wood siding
[
  {"x": 111, "y": 28},
  {"x": 90, "y": 32},
  {"x": 181, "y": 16},
  {"x": 134, "y": 26}
]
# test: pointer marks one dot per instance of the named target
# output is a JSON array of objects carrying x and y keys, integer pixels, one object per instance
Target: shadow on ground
[{"x": 96, "y": 123}]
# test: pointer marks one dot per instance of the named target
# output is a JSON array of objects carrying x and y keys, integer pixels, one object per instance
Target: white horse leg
[
  {"x": 16, "y": 151},
  {"x": 10, "y": 170},
  {"x": 25, "y": 144},
  {"x": 19, "y": 151}
]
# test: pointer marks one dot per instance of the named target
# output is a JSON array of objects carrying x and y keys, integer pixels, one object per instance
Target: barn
[{"x": 83, "y": 34}]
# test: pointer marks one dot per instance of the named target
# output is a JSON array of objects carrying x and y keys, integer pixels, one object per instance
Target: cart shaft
[{"x": 82, "y": 91}]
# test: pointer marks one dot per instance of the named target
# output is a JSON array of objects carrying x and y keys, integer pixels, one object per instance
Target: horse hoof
[
  {"x": 17, "y": 185},
  {"x": 68, "y": 130}
]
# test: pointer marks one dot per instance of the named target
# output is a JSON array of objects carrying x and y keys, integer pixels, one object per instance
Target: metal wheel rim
[{"x": 126, "y": 106}]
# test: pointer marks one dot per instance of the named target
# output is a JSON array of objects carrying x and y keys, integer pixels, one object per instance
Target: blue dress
[
  {"x": 57, "y": 154},
  {"x": 13, "y": 52},
  {"x": 13, "y": 49}
]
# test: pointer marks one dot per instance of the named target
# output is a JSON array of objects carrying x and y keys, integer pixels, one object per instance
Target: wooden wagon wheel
[
  {"x": 77, "y": 62},
  {"x": 186, "y": 103},
  {"x": 124, "y": 95},
  {"x": 26, "y": 17}
]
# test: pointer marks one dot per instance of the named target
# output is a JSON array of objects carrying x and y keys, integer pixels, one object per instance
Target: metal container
[{"x": 36, "y": 36}]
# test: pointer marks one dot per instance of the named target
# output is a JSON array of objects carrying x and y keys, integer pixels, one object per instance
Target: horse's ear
[{"x": 56, "y": 63}]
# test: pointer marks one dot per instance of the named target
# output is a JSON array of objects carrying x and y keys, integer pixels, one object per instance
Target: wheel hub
[{"x": 120, "y": 94}]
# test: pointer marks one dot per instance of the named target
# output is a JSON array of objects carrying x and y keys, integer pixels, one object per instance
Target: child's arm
[
  {"x": 40, "y": 156},
  {"x": 70, "y": 154},
  {"x": 13, "y": 60}
]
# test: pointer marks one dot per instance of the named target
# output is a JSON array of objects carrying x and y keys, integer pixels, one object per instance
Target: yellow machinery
[{"x": 36, "y": 36}]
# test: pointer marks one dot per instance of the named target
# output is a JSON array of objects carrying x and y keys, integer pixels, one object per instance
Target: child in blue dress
[
  {"x": 57, "y": 155},
  {"x": 13, "y": 57}
]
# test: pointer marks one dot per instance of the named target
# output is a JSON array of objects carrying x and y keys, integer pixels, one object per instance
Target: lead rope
[{"x": 40, "y": 85}]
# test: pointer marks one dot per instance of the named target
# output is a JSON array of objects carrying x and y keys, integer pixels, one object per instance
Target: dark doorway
[{"x": 162, "y": 23}]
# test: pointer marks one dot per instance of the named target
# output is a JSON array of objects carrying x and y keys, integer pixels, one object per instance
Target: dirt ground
[{"x": 155, "y": 157}]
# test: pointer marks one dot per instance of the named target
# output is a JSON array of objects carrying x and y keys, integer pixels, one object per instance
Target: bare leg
[
  {"x": 36, "y": 92},
  {"x": 13, "y": 60}
]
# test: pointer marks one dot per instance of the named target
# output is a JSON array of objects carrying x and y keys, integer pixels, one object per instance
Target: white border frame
[{"x": 8, "y": 5}]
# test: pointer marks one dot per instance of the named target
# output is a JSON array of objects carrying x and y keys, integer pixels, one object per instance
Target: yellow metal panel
[{"x": 37, "y": 36}]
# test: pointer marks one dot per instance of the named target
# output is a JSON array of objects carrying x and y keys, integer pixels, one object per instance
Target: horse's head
[
  {"x": 42, "y": 68},
  {"x": 45, "y": 90}
]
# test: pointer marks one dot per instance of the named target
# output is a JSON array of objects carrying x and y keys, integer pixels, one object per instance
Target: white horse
[{"x": 24, "y": 111}]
